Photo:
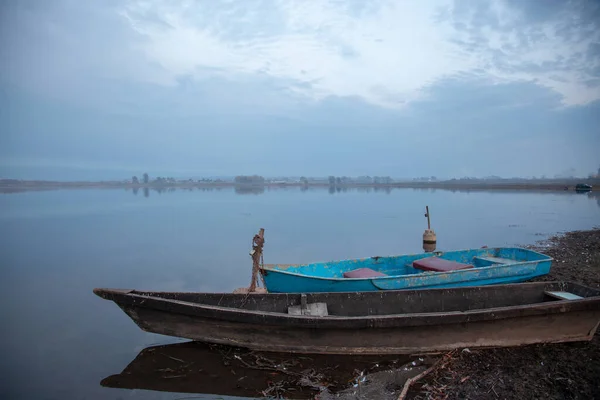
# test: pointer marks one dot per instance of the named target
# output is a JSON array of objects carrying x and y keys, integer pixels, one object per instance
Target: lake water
[{"x": 59, "y": 340}]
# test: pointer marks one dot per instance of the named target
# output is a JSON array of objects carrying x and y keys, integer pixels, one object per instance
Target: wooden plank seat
[
  {"x": 562, "y": 295},
  {"x": 363, "y": 273},
  {"x": 437, "y": 264},
  {"x": 497, "y": 260}
]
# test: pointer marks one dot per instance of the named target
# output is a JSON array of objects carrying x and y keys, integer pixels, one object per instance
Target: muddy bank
[
  {"x": 552, "y": 371},
  {"x": 576, "y": 257}
]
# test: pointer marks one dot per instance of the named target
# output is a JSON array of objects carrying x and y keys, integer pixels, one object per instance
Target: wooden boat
[
  {"x": 387, "y": 322},
  {"x": 583, "y": 187},
  {"x": 474, "y": 267}
]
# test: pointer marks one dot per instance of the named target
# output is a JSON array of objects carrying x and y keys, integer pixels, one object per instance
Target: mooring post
[{"x": 257, "y": 247}]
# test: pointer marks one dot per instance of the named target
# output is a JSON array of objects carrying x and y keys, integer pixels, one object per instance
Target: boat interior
[
  {"x": 376, "y": 267},
  {"x": 392, "y": 302}
]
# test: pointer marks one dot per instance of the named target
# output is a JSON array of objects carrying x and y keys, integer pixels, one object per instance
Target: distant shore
[{"x": 12, "y": 185}]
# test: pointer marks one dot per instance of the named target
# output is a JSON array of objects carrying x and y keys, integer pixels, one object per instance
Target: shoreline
[{"x": 13, "y": 186}]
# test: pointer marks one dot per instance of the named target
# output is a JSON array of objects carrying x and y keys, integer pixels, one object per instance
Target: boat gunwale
[
  {"x": 239, "y": 315},
  {"x": 268, "y": 269}
]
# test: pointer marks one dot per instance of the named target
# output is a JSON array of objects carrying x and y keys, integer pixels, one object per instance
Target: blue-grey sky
[{"x": 112, "y": 88}]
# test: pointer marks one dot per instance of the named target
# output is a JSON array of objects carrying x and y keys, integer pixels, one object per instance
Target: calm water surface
[{"x": 59, "y": 340}]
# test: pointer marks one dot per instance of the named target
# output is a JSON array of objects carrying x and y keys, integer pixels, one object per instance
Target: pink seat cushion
[
  {"x": 363, "y": 273},
  {"x": 439, "y": 264}
]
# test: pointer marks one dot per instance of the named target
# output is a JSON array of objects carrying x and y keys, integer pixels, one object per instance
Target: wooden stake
[
  {"x": 414, "y": 379},
  {"x": 257, "y": 244}
]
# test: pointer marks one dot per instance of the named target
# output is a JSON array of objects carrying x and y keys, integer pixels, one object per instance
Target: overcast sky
[{"x": 111, "y": 88}]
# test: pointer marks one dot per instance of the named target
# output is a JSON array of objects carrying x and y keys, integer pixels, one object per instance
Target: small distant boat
[
  {"x": 583, "y": 187},
  {"x": 474, "y": 267},
  {"x": 389, "y": 322}
]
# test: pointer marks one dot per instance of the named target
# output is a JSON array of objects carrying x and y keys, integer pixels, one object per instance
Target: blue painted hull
[{"x": 509, "y": 265}]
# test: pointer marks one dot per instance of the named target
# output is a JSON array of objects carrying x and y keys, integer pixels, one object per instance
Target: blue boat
[{"x": 459, "y": 268}]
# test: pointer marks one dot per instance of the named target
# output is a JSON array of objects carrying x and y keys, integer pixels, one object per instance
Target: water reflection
[
  {"x": 249, "y": 189},
  {"x": 257, "y": 190},
  {"x": 595, "y": 195},
  {"x": 161, "y": 190},
  {"x": 194, "y": 367}
]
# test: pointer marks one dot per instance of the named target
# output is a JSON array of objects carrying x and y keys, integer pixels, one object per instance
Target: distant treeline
[
  {"x": 344, "y": 180},
  {"x": 168, "y": 181},
  {"x": 246, "y": 182},
  {"x": 249, "y": 180}
]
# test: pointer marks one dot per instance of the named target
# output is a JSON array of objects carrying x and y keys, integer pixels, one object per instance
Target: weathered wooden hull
[
  {"x": 517, "y": 331},
  {"x": 368, "y": 323},
  {"x": 522, "y": 265}
]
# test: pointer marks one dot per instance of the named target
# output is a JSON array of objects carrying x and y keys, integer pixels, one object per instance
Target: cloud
[
  {"x": 383, "y": 54},
  {"x": 300, "y": 87},
  {"x": 554, "y": 44},
  {"x": 386, "y": 53}
]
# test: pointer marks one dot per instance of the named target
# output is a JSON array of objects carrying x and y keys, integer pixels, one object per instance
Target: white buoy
[{"x": 429, "y": 237}]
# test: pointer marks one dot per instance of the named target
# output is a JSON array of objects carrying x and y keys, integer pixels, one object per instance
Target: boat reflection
[{"x": 199, "y": 368}]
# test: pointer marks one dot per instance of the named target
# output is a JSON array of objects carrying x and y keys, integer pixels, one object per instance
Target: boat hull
[
  {"x": 282, "y": 282},
  {"x": 367, "y": 323},
  {"x": 524, "y": 265},
  {"x": 576, "y": 326}
]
